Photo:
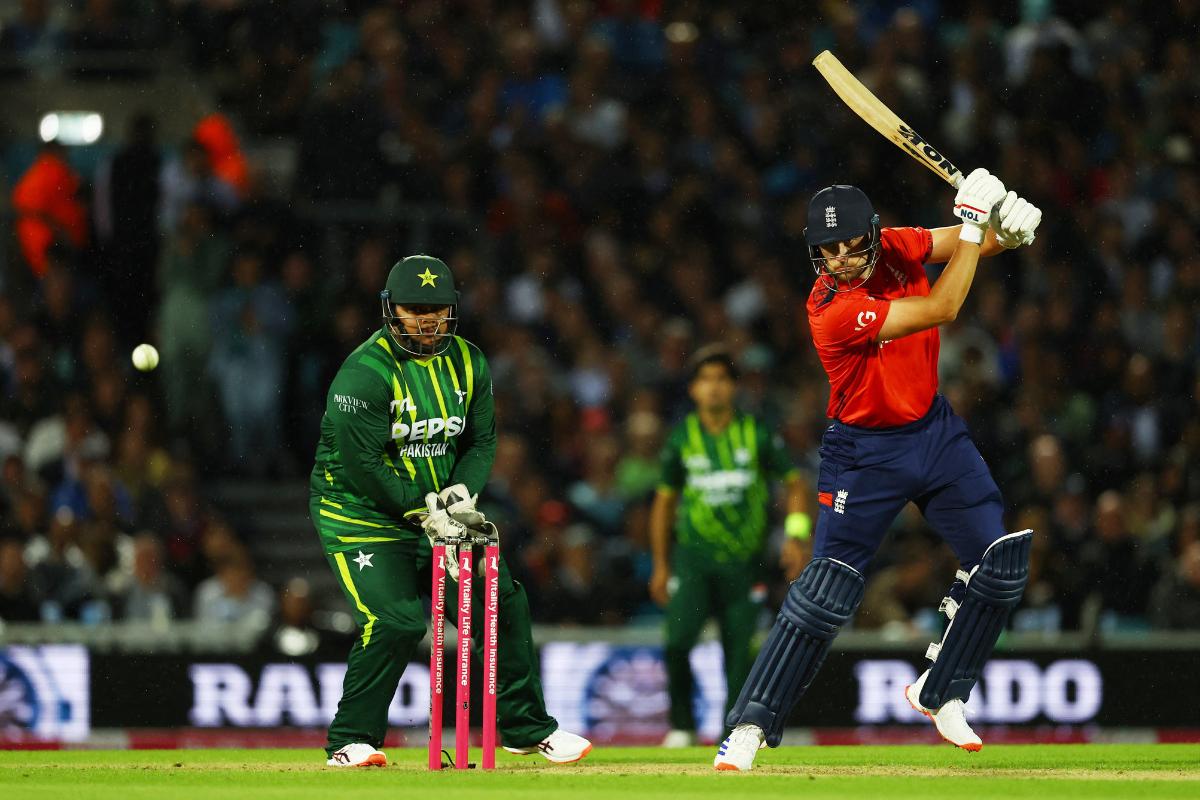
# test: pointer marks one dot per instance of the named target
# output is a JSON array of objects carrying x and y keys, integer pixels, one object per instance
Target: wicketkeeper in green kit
[
  {"x": 410, "y": 412},
  {"x": 722, "y": 462}
]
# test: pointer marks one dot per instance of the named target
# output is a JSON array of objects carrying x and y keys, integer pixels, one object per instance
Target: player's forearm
[
  {"x": 991, "y": 246},
  {"x": 474, "y": 466},
  {"x": 382, "y": 485},
  {"x": 950, "y": 291},
  {"x": 478, "y": 450},
  {"x": 662, "y": 518},
  {"x": 795, "y": 497}
]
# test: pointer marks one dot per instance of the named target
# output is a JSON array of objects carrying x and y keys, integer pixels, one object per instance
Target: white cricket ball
[{"x": 145, "y": 357}]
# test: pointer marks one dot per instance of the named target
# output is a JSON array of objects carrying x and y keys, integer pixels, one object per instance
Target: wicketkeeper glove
[
  {"x": 439, "y": 525},
  {"x": 460, "y": 505},
  {"x": 1015, "y": 221}
]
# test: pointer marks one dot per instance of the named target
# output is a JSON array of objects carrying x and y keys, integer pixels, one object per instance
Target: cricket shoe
[
  {"x": 560, "y": 747},
  {"x": 737, "y": 752},
  {"x": 357, "y": 755},
  {"x": 950, "y": 720},
  {"x": 677, "y": 738}
]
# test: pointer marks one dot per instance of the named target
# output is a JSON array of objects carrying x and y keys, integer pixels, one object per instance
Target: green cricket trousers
[
  {"x": 384, "y": 586},
  {"x": 708, "y": 588}
]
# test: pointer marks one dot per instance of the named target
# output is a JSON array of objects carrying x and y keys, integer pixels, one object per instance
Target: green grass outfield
[{"x": 1012, "y": 771}]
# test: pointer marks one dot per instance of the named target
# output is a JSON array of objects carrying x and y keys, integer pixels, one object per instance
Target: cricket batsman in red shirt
[{"x": 893, "y": 440}]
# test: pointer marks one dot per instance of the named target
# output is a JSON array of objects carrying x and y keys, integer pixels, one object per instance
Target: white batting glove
[
  {"x": 460, "y": 505},
  {"x": 1015, "y": 221},
  {"x": 977, "y": 195}
]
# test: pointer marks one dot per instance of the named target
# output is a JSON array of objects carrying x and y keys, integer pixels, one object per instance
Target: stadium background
[{"x": 614, "y": 184}]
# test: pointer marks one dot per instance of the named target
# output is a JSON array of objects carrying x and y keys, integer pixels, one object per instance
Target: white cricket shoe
[
  {"x": 357, "y": 755},
  {"x": 739, "y": 748},
  {"x": 677, "y": 738},
  {"x": 560, "y": 747},
  {"x": 950, "y": 720}
]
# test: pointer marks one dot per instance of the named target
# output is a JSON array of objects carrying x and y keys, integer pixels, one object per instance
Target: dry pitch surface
[{"x": 1055, "y": 771}]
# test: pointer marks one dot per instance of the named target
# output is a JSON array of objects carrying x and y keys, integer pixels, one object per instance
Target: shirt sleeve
[
  {"x": 851, "y": 321},
  {"x": 912, "y": 246},
  {"x": 670, "y": 462},
  {"x": 477, "y": 449},
  {"x": 357, "y": 406}
]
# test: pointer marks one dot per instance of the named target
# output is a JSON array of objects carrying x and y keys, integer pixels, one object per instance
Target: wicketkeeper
[{"x": 410, "y": 412}]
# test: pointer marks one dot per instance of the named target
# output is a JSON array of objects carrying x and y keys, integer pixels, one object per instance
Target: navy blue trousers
[{"x": 868, "y": 474}]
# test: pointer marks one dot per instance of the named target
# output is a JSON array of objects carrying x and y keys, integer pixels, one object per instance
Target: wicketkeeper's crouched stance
[
  {"x": 894, "y": 440},
  {"x": 409, "y": 413}
]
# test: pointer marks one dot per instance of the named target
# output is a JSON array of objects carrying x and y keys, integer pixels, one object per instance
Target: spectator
[
  {"x": 1118, "y": 575},
  {"x": 48, "y": 208},
  {"x": 17, "y": 602},
  {"x": 234, "y": 594},
  {"x": 193, "y": 265},
  {"x": 147, "y": 592},
  {"x": 127, "y": 197},
  {"x": 1176, "y": 601},
  {"x": 190, "y": 180},
  {"x": 251, "y": 322},
  {"x": 59, "y": 576}
]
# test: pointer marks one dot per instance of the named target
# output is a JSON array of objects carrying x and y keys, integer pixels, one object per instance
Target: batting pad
[
  {"x": 817, "y": 605},
  {"x": 993, "y": 591}
]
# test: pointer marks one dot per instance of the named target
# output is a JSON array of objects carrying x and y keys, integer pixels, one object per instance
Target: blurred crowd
[{"x": 614, "y": 184}]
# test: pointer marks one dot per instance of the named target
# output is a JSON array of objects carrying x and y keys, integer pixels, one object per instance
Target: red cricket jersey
[{"x": 877, "y": 384}]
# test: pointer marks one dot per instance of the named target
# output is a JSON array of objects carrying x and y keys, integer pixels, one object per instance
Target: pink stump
[
  {"x": 437, "y": 655},
  {"x": 491, "y": 639},
  {"x": 462, "y": 722}
]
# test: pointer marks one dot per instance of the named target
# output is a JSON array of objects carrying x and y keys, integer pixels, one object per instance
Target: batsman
[
  {"x": 893, "y": 440},
  {"x": 409, "y": 413}
]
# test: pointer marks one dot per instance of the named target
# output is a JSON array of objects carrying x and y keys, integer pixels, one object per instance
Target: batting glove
[
  {"x": 1015, "y": 221},
  {"x": 977, "y": 195}
]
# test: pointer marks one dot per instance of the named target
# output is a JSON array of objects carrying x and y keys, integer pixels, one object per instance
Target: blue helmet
[{"x": 836, "y": 214}]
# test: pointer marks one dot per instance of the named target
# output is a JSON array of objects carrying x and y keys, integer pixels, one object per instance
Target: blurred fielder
[
  {"x": 409, "y": 413},
  {"x": 893, "y": 440},
  {"x": 716, "y": 467}
]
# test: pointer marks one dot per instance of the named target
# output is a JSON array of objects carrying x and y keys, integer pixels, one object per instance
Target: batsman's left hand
[{"x": 1015, "y": 221}]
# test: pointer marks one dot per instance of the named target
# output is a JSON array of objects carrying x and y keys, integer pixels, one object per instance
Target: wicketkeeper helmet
[{"x": 420, "y": 280}]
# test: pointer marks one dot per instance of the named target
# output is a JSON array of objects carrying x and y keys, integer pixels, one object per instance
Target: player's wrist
[
  {"x": 972, "y": 233},
  {"x": 797, "y": 525}
]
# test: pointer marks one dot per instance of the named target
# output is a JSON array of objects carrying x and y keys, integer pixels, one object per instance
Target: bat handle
[{"x": 957, "y": 178}]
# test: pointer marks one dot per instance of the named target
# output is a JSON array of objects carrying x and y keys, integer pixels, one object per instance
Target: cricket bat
[{"x": 882, "y": 119}]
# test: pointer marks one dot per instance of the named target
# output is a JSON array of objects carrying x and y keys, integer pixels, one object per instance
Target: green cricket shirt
[
  {"x": 395, "y": 428},
  {"x": 723, "y": 478}
]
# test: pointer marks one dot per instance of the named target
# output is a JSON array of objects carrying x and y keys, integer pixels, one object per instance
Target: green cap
[{"x": 421, "y": 280}]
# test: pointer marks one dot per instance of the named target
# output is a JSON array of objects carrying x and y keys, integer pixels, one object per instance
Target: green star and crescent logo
[{"x": 428, "y": 278}]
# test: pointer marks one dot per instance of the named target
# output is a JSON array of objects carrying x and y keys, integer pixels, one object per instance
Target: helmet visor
[
  {"x": 848, "y": 270},
  {"x": 421, "y": 331}
]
